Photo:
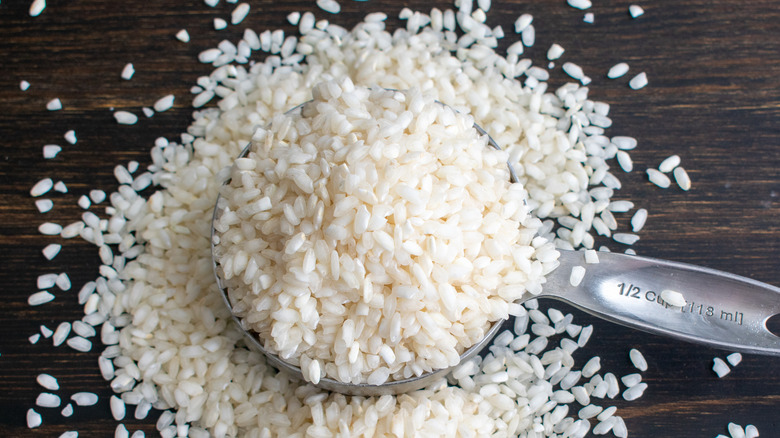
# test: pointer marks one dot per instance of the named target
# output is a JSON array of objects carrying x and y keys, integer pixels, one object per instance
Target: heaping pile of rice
[
  {"x": 176, "y": 348},
  {"x": 374, "y": 235}
]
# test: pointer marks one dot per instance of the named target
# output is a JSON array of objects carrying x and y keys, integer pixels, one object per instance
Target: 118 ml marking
[{"x": 633, "y": 291}]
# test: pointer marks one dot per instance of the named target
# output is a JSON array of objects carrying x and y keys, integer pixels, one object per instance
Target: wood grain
[{"x": 713, "y": 98}]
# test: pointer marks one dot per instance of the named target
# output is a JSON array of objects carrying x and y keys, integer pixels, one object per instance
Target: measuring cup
[{"x": 721, "y": 310}]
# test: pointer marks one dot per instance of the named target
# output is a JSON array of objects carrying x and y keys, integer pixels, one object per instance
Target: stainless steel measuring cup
[{"x": 721, "y": 310}]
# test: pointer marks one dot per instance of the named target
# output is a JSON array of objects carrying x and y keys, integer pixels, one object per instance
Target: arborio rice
[
  {"x": 176, "y": 348},
  {"x": 376, "y": 235}
]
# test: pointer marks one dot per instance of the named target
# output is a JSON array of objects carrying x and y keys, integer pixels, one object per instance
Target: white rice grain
[
  {"x": 735, "y": 430},
  {"x": 589, "y": 411},
  {"x": 635, "y": 11},
  {"x": 606, "y": 413},
  {"x": 734, "y": 359},
  {"x": 84, "y": 202},
  {"x": 63, "y": 281},
  {"x": 630, "y": 380},
  {"x": 38, "y": 298},
  {"x": 625, "y": 238},
  {"x": 669, "y": 164},
  {"x": 620, "y": 206},
  {"x": 33, "y": 419},
  {"x": 164, "y": 103},
  {"x": 591, "y": 256},
  {"x": 604, "y": 426},
  {"x": 41, "y": 187},
  {"x": 673, "y": 298},
  {"x": 51, "y": 250},
  {"x": 619, "y": 429},
  {"x": 239, "y": 13},
  {"x": 45, "y": 281},
  {"x": 588, "y": 17},
  {"x": 97, "y": 196},
  {"x": 54, "y": 104},
  {"x": 44, "y": 205},
  {"x": 637, "y": 359},
  {"x": 84, "y": 398},
  {"x": 638, "y": 82},
  {"x": 67, "y": 411},
  {"x": 72, "y": 230},
  {"x": 579, "y": 4},
  {"x": 635, "y": 391},
  {"x": 528, "y": 36},
  {"x": 720, "y": 367},
  {"x": 125, "y": 118},
  {"x": 61, "y": 333},
  {"x": 50, "y": 229},
  {"x": 584, "y": 336},
  {"x": 128, "y": 71},
  {"x": 624, "y": 143},
  {"x": 617, "y": 70},
  {"x": 522, "y": 22},
  {"x": 682, "y": 178},
  {"x": 330, "y": 6},
  {"x": 83, "y": 329},
  {"x": 46, "y": 332},
  {"x": 48, "y": 381},
  {"x": 121, "y": 431},
  {"x": 576, "y": 276},
  {"x": 70, "y": 136},
  {"x": 183, "y": 36},
  {"x": 660, "y": 179},
  {"x": 573, "y": 70},
  {"x": 638, "y": 220},
  {"x": 47, "y": 400},
  {"x": 117, "y": 408},
  {"x": 36, "y": 7},
  {"x": 554, "y": 52},
  {"x": 625, "y": 162},
  {"x": 591, "y": 367},
  {"x": 219, "y": 23}
]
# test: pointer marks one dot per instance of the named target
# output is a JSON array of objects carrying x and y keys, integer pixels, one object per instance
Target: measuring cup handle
[{"x": 721, "y": 310}]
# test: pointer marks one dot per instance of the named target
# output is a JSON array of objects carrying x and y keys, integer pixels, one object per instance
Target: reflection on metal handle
[{"x": 722, "y": 310}]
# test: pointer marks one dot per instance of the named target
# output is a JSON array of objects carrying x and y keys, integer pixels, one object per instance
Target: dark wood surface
[{"x": 713, "y": 98}]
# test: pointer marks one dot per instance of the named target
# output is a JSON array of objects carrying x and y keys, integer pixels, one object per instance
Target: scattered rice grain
[
  {"x": 41, "y": 187},
  {"x": 673, "y": 298},
  {"x": 635, "y": 11},
  {"x": 617, "y": 70},
  {"x": 48, "y": 400},
  {"x": 720, "y": 367},
  {"x": 44, "y": 205},
  {"x": 682, "y": 178},
  {"x": 164, "y": 103},
  {"x": 38, "y": 298},
  {"x": 125, "y": 118},
  {"x": 128, "y": 71},
  {"x": 638, "y": 82},
  {"x": 658, "y": 178},
  {"x": 637, "y": 359},
  {"x": 734, "y": 359},
  {"x": 33, "y": 419},
  {"x": 183, "y": 36}
]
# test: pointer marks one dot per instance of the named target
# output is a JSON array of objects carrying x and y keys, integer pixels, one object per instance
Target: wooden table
[{"x": 713, "y": 98}]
